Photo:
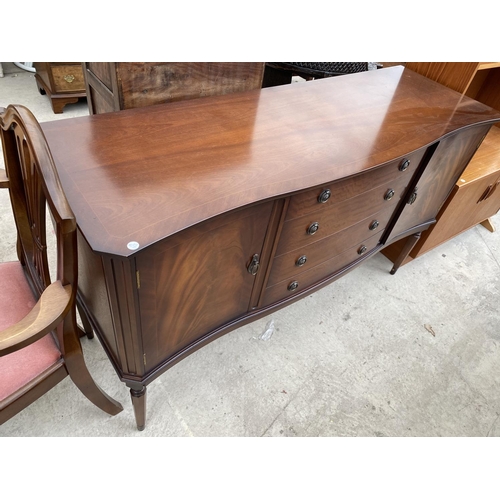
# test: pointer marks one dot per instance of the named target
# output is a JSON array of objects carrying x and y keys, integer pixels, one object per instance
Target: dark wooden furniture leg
[
  {"x": 58, "y": 103},
  {"x": 138, "y": 396},
  {"x": 84, "y": 381},
  {"x": 410, "y": 243}
]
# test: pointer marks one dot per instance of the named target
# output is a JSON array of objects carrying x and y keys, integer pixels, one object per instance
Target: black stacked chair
[{"x": 280, "y": 73}]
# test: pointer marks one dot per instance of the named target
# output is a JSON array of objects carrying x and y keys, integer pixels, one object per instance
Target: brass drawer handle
[
  {"x": 404, "y": 165},
  {"x": 362, "y": 249},
  {"x": 374, "y": 225},
  {"x": 324, "y": 196},
  {"x": 301, "y": 261},
  {"x": 69, "y": 78},
  {"x": 389, "y": 195},
  {"x": 313, "y": 228},
  {"x": 293, "y": 286}
]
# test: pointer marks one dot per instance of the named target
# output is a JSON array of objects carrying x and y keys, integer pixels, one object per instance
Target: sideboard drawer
[
  {"x": 317, "y": 225},
  {"x": 309, "y": 256},
  {"x": 324, "y": 196},
  {"x": 300, "y": 281}
]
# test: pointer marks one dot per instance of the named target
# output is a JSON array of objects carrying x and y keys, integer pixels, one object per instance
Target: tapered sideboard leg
[
  {"x": 410, "y": 243},
  {"x": 139, "y": 404}
]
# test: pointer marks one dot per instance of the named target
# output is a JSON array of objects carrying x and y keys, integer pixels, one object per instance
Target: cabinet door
[
  {"x": 471, "y": 204},
  {"x": 101, "y": 86},
  {"x": 197, "y": 281},
  {"x": 436, "y": 182},
  {"x": 467, "y": 206},
  {"x": 489, "y": 201}
]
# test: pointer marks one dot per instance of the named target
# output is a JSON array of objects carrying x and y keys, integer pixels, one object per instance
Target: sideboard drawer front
[
  {"x": 296, "y": 233},
  {"x": 68, "y": 78},
  {"x": 309, "y": 201},
  {"x": 304, "y": 258},
  {"x": 283, "y": 289}
]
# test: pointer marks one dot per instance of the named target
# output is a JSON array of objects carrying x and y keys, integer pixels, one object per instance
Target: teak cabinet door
[
  {"x": 470, "y": 205},
  {"x": 436, "y": 182},
  {"x": 467, "y": 206},
  {"x": 198, "y": 280}
]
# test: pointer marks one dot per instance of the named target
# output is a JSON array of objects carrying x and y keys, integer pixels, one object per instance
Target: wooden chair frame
[{"x": 33, "y": 184}]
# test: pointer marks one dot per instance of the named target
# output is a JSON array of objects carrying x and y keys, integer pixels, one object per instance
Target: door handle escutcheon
[{"x": 253, "y": 267}]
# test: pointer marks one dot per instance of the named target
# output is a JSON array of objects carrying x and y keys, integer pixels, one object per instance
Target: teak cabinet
[
  {"x": 114, "y": 86},
  {"x": 62, "y": 81},
  {"x": 475, "y": 197},
  {"x": 197, "y": 217}
]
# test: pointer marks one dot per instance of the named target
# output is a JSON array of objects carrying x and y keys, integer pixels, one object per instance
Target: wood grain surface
[
  {"x": 114, "y": 86},
  {"x": 144, "y": 174},
  {"x": 198, "y": 281},
  {"x": 443, "y": 171},
  {"x": 485, "y": 163},
  {"x": 144, "y": 84}
]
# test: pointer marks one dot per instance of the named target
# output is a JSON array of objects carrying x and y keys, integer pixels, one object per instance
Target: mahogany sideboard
[{"x": 199, "y": 216}]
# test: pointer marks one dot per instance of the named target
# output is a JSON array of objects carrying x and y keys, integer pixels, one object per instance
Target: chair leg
[
  {"x": 80, "y": 375},
  {"x": 408, "y": 247},
  {"x": 138, "y": 395},
  {"x": 19, "y": 250}
]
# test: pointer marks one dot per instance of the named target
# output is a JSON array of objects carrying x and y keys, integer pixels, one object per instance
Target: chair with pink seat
[{"x": 39, "y": 336}]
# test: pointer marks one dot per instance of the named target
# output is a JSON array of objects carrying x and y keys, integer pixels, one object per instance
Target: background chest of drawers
[{"x": 62, "y": 82}]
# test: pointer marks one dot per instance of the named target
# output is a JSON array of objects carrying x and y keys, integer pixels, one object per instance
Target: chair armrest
[
  {"x": 48, "y": 312},
  {"x": 4, "y": 181}
]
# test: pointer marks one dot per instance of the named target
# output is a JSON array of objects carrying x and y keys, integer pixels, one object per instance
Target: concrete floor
[{"x": 353, "y": 359}]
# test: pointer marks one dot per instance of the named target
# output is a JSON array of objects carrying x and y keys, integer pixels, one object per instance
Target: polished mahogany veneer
[
  {"x": 198, "y": 216},
  {"x": 144, "y": 174}
]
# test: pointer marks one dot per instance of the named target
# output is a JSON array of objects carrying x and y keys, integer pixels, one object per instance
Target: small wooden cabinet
[
  {"x": 113, "y": 86},
  {"x": 62, "y": 81},
  {"x": 475, "y": 196}
]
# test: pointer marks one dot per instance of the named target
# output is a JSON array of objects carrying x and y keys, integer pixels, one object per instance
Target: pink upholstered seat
[{"x": 16, "y": 300}]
